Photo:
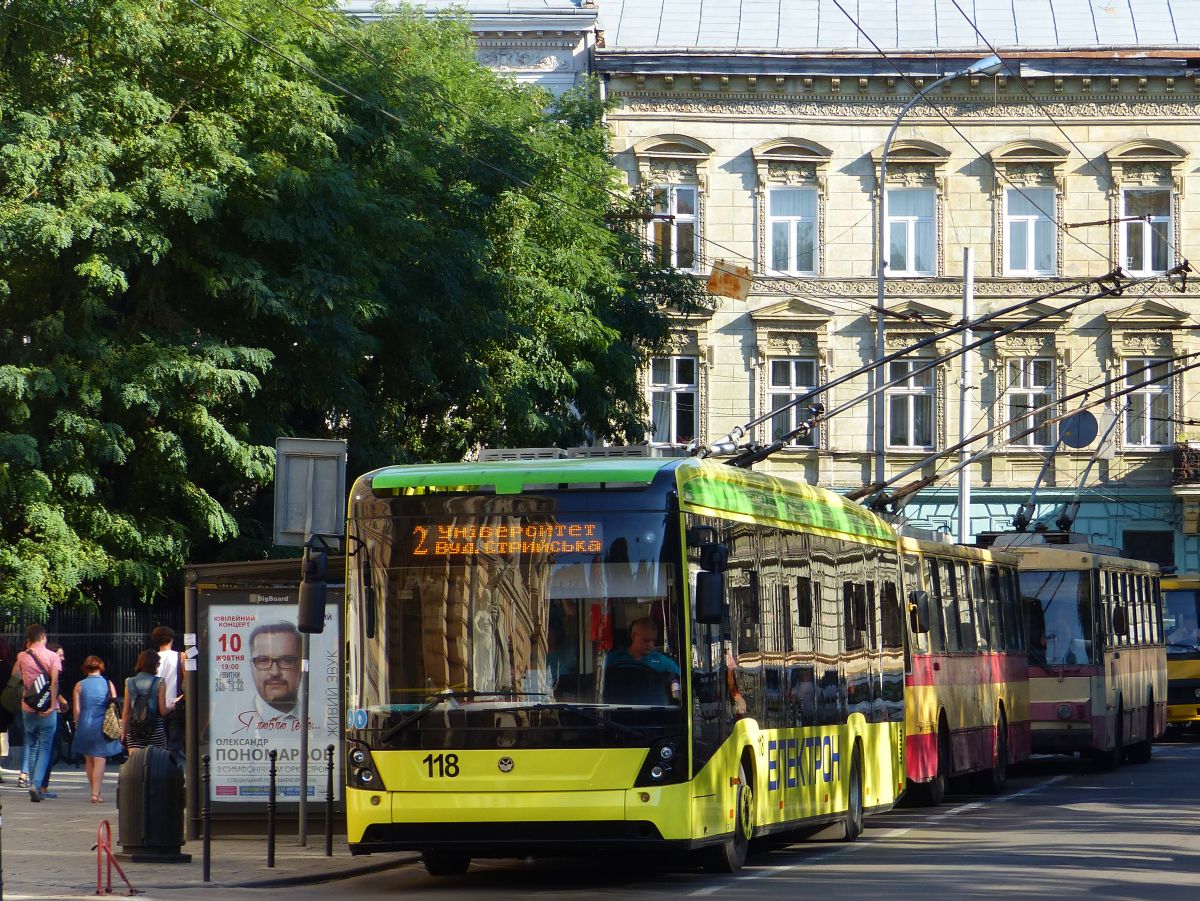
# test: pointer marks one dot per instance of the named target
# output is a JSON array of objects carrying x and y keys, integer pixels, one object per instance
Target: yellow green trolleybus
[
  {"x": 1181, "y": 613},
  {"x": 642, "y": 654}
]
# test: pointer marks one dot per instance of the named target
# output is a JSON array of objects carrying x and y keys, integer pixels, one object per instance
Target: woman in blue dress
[{"x": 92, "y": 696}]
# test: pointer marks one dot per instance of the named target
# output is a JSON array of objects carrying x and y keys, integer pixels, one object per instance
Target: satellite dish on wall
[{"x": 1079, "y": 429}]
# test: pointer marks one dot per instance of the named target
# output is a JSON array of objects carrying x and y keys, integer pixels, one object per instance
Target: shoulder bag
[{"x": 111, "y": 727}]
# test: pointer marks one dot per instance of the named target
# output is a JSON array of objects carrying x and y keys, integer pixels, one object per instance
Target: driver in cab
[{"x": 643, "y": 636}]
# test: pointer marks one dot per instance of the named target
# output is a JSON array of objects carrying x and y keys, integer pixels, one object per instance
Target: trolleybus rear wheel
[
  {"x": 729, "y": 856},
  {"x": 854, "y": 801},
  {"x": 445, "y": 863}
]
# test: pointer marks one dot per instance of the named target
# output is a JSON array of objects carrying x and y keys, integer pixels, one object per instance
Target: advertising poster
[{"x": 254, "y": 668}]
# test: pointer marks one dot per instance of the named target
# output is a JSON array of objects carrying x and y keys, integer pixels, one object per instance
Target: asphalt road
[{"x": 1060, "y": 830}]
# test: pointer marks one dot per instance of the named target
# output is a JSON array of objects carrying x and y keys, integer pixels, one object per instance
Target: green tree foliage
[{"x": 205, "y": 244}]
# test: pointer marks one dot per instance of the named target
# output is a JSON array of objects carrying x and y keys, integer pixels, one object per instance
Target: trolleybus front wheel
[
  {"x": 444, "y": 863},
  {"x": 1143, "y": 751},
  {"x": 992, "y": 780},
  {"x": 729, "y": 856}
]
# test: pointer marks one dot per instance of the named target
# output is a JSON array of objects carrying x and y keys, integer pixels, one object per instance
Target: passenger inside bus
[
  {"x": 1063, "y": 640},
  {"x": 1185, "y": 632},
  {"x": 642, "y": 650},
  {"x": 641, "y": 674}
]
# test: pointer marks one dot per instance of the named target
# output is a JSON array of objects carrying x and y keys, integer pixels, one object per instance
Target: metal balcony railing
[{"x": 1186, "y": 468}]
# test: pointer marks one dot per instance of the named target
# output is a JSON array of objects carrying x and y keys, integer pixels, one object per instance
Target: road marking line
[{"x": 766, "y": 872}]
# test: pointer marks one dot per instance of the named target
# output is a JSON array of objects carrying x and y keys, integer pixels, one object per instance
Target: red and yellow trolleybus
[
  {"x": 967, "y": 683},
  {"x": 1097, "y": 662}
]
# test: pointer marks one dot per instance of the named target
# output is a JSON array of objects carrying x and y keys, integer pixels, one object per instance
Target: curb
[
  {"x": 319, "y": 878},
  {"x": 300, "y": 879}
]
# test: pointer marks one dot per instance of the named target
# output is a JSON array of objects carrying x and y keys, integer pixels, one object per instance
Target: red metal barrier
[{"x": 103, "y": 849}]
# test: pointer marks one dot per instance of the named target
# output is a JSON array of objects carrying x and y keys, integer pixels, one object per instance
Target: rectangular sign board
[{"x": 310, "y": 489}]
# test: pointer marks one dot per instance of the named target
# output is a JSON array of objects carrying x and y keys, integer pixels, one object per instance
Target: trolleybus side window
[
  {"x": 937, "y": 601},
  {"x": 951, "y": 621},
  {"x": 919, "y": 641},
  {"x": 998, "y": 610},
  {"x": 979, "y": 595}
]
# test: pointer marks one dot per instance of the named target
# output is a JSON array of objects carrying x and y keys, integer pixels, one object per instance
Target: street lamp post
[{"x": 988, "y": 66}]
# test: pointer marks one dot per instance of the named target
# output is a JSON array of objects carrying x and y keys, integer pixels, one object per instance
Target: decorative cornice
[
  {"x": 710, "y": 104},
  {"x": 815, "y": 289},
  {"x": 514, "y": 60}
]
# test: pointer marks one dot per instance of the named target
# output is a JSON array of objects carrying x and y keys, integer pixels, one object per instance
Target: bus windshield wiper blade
[
  {"x": 433, "y": 700},
  {"x": 588, "y": 714}
]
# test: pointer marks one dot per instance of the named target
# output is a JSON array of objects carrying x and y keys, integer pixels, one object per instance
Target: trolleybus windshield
[
  {"x": 1180, "y": 621},
  {"x": 1060, "y": 616},
  {"x": 536, "y": 626}
]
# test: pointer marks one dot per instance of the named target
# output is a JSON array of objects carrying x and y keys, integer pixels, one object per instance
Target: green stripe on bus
[
  {"x": 726, "y": 490},
  {"x": 512, "y": 477}
]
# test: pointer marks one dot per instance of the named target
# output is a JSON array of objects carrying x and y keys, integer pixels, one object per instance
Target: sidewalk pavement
[{"x": 46, "y": 849}]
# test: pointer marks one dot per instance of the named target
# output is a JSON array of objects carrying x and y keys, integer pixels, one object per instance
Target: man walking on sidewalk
[{"x": 39, "y": 712}]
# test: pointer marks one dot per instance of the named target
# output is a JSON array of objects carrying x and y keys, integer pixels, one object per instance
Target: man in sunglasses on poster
[{"x": 275, "y": 656}]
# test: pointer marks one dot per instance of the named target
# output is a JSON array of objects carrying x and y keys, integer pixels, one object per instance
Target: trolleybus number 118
[{"x": 445, "y": 764}]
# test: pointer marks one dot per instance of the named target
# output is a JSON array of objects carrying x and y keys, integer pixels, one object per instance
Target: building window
[
  {"x": 1030, "y": 386},
  {"x": 912, "y": 247},
  {"x": 1146, "y": 243},
  {"x": 674, "y": 238},
  {"x": 792, "y": 222},
  {"x": 790, "y": 378},
  {"x": 910, "y": 404},
  {"x": 1029, "y": 231},
  {"x": 673, "y": 399},
  {"x": 1148, "y": 414}
]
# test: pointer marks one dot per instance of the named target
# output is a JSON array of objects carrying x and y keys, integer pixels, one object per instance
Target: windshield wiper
[{"x": 434, "y": 700}]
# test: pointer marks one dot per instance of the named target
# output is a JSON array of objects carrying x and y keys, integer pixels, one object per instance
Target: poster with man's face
[{"x": 255, "y": 664}]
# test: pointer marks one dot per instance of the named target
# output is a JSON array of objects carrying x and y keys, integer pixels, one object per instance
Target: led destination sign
[{"x": 468, "y": 540}]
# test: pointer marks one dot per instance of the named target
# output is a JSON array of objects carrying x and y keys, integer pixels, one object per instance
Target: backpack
[
  {"x": 142, "y": 721},
  {"x": 37, "y": 694}
]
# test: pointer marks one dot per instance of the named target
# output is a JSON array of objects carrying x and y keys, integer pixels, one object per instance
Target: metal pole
[
  {"x": 329, "y": 801},
  {"x": 271, "y": 813},
  {"x": 2, "y": 855},
  {"x": 303, "y": 809},
  {"x": 191, "y": 708},
  {"x": 980, "y": 67},
  {"x": 964, "y": 396},
  {"x": 207, "y": 818}
]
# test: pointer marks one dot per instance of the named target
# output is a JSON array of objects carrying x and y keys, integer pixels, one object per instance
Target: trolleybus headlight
[
  {"x": 358, "y": 757},
  {"x": 657, "y": 773},
  {"x": 667, "y": 752},
  {"x": 366, "y": 777},
  {"x": 1064, "y": 711}
]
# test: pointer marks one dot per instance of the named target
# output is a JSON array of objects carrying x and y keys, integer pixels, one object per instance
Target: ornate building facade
[{"x": 760, "y": 134}]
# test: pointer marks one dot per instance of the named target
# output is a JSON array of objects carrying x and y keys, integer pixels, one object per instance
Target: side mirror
[
  {"x": 1120, "y": 621},
  {"x": 918, "y": 612},
  {"x": 310, "y": 613},
  {"x": 710, "y": 598}
]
